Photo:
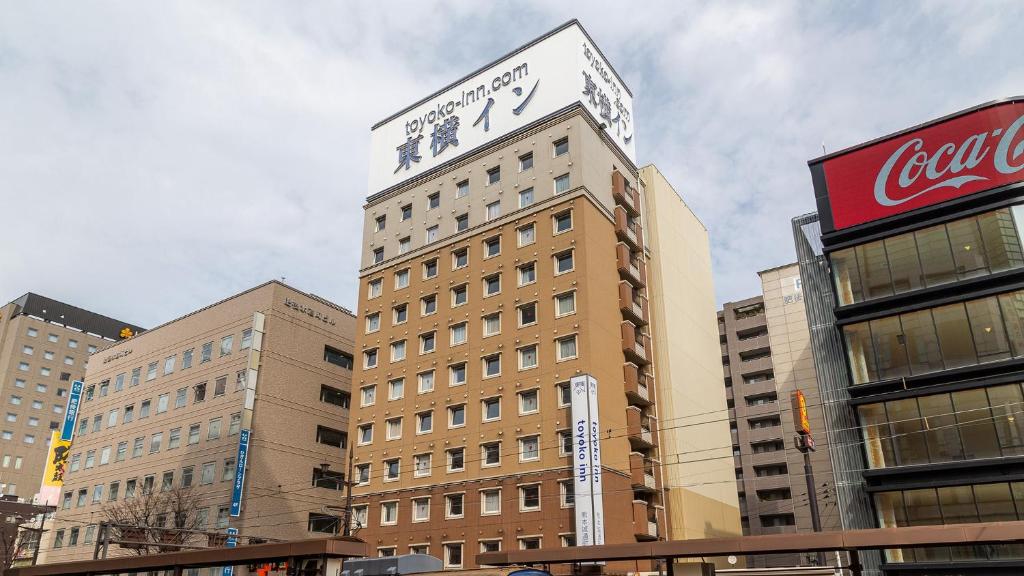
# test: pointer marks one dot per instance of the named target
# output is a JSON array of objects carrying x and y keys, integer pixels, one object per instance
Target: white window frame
[
  {"x": 384, "y": 504},
  {"x": 521, "y": 441},
  {"x": 522, "y": 497},
  {"x": 483, "y": 501}
]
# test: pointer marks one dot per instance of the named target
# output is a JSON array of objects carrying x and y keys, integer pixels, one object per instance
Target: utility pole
[
  {"x": 348, "y": 495},
  {"x": 39, "y": 538},
  {"x": 805, "y": 443}
]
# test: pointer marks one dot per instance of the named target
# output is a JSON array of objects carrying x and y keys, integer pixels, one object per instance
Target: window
[
  {"x": 136, "y": 374},
  {"x": 370, "y": 358},
  {"x": 565, "y": 303},
  {"x": 169, "y": 364},
  {"x": 457, "y": 374},
  {"x": 227, "y": 473},
  {"x": 529, "y": 542},
  {"x": 561, "y": 146},
  {"x": 144, "y": 409},
  {"x": 527, "y": 314},
  {"x": 331, "y": 395},
  {"x": 330, "y": 436},
  {"x": 491, "y": 408},
  {"x": 492, "y": 246},
  {"x": 193, "y": 434},
  {"x": 528, "y": 357},
  {"x": 207, "y": 473},
  {"x": 529, "y": 498},
  {"x": 396, "y": 389},
  {"x": 566, "y": 347},
  {"x": 490, "y": 545},
  {"x": 428, "y": 305},
  {"x": 392, "y": 468},
  {"x": 492, "y": 285},
  {"x": 174, "y": 438},
  {"x": 526, "y": 197},
  {"x": 433, "y": 200},
  {"x": 428, "y": 342},
  {"x": 32, "y": 332},
  {"x": 368, "y": 395},
  {"x": 425, "y": 381},
  {"x": 461, "y": 222},
  {"x": 456, "y": 416},
  {"x": 213, "y": 429},
  {"x": 460, "y": 295},
  {"x": 406, "y": 212},
  {"x": 399, "y": 314},
  {"x": 529, "y": 401},
  {"x": 493, "y": 210},
  {"x": 456, "y": 459},
  {"x": 198, "y": 393},
  {"x": 526, "y": 161},
  {"x": 462, "y": 189},
  {"x": 374, "y": 287},
  {"x": 129, "y": 413},
  {"x": 162, "y": 403},
  {"x": 492, "y": 365},
  {"x": 363, "y": 474},
  {"x": 186, "y": 362},
  {"x": 494, "y": 175},
  {"x": 226, "y": 345},
  {"x": 398, "y": 351},
  {"x": 561, "y": 183},
  {"x": 337, "y": 357},
  {"x": 425, "y": 422},
  {"x": 564, "y": 443},
  {"x": 378, "y": 255},
  {"x": 460, "y": 258},
  {"x": 365, "y": 433},
  {"x": 186, "y": 476},
  {"x": 155, "y": 441},
  {"x": 27, "y": 350},
  {"x": 151, "y": 371},
  {"x": 421, "y": 465},
  {"x": 529, "y": 448},
  {"x": 380, "y": 223},
  {"x": 563, "y": 262},
  {"x": 321, "y": 478},
  {"x": 112, "y": 418},
  {"x": 90, "y": 459},
  {"x": 246, "y": 339},
  {"x": 393, "y": 428},
  {"x": 454, "y": 505},
  {"x": 402, "y": 279},
  {"x": 23, "y": 366},
  {"x": 404, "y": 245},
  {"x": 323, "y": 523},
  {"x": 563, "y": 221},
  {"x": 457, "y": 333},
  {"x": 129, "y": 488},
  {"x": 452, "y": 554},
  {"x": 372, "y": 322},
  {"x": 527, "y": 273},
  {"x": 490, "y": 501},
  {"x": 492, "y": 324},
  {"x": 235, "y": 423},
  {"x": 430, "y": 268}
]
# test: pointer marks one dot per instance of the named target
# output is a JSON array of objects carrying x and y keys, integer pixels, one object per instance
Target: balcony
[
  {"x": 639, "y": 429},
  {"x": 753, "y": 345},
  {"x": 637, "y": 385},
  {"x": 626, "y": 229},
  {"x": 642, "y": 473},
  {"x": 645, "y": 521},
  {"x": 629, "y": 268},
  {"x": 624, "y": 194},
  {"x": 632, "y": 305},
  {"x": 756, "y": 365},
  {"x": 634, "y": 345}
]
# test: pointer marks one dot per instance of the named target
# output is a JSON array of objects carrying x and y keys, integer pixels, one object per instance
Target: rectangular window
[
  {"x": 460, "y": 295},
  {"x": 457, "y": 374},
  {"x": 372, "y": 322},
  {"x": 461, "y": 222},
  {"x": 193, "y": 434},
  {"x": 406, "y": 212},
  {"x": 493, "y": 210},
  {"x": 207, "y": 473},
  {"x": 529, "y": 498},
  {"x": 492, "y": 324},
  {"x": 388, "y": 513},
  {"x": 226, "y": 345},
  {"x": 561, "y": 146},
  {"x": 234, "y": 423},
  {"x": 490, "y": 501},
  {"x": 380, "y": 223},
  {"x": 425, "y": 381},
  {"x": 433, "y": 200},
  {"x": 393, "y": 428},
  {"x": 136, "y": 374},
  {"x": 180, "y": 398},
  {"x": 425, "y": 422},
  {"x": 526, "y": 197},
  {"x": 527, "y": 273},
  {"x": 527, "y": 314},
  {"x": 378, "y": 255},
  {"x": 565, "y": 303},
  {"x": 330, "y": 436},
  {"x": 331, "y": 395},
  {"x": 246, "y": 339},
  {"x": 404, "y": 245},
  {"x": 186, "y": 476},
  {"x": 456, "y": 459},
  {"x": 174, "y": 438},
  {"x": 566, "y": 347},
  {"x": 462, "y": 189},
  {"x": 494, "y": 175},
  {"x": 563, "y": 221},
  {"x": 457, "y": 334},
  {"x": 368, "y": 395},
  {"x": 454, "y": 505},
  {"x": 491, "y": 408},
  {"x": 396, "y": 389},
  {"x": 398, "y": 351},
  {"x": 492, "y": 365},
  {"x": 428, "y": 342},
  {"x": 430, "y": 268},
  {"x": 162, "y": 403},
  {"x": 528, "y": 357},
  {"x": 370, "y": 358},
  {"x": 460, "y": 258},
  {"x": 492, "y": 285},
  {"x": 392, "y": 468},
  {"x": 402, "y": 279},
  {"x": 155, "y": 441},
  {"x": 453, "y": 555},
  {"x": 374, "y": 288},
  {"x": 421, "y": 465},
  {"x": 363, "y": 474},
  {"x": 529, "y": 402},
  {"x": 365, "y": 433},
  {"x": 199, "y": 393},
  {"x": 564, "y": 262},
  {"x": 492, "y": 247},
  {"x": 144, "y": 409},
  {"x": 526, "y": 161},
  {"x": 561, "y": 183},
  {"x": 337, "y": 357},
  {"x": 529, "y": 448},
  {"x": 151, "y": 371},
  {"x": 428, "y": 305},
  {"x": 213, "y": 429},
  {"x": 169, "y": 364}
]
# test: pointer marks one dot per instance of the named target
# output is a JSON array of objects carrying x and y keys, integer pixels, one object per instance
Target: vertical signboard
[
  {"x": 588, "y": 491},
  {"x": 53, "y": 473},
  {"x": 231, "y": 543},
  {"x": 67, "y": 432},
  {"x": 243, "y": 454}
]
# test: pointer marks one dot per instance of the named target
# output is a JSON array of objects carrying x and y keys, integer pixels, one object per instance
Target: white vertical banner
[{"x": 589, "y": 506}]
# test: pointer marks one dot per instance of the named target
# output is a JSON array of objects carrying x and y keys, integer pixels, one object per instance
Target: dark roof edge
[
  {"x": 501, "y": 59},
  {"x": 917, "y": 127},
  {"x": 63, "y": 314}
]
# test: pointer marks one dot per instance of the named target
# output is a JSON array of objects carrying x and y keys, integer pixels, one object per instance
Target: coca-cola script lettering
[{"x": 965, "y": 155}]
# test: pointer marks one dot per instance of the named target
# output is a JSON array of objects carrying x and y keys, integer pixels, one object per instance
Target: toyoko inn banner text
[{"x": 543, "y": 77}]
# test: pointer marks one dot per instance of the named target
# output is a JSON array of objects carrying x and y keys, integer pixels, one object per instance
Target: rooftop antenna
[{"x": 823, "y": 152}]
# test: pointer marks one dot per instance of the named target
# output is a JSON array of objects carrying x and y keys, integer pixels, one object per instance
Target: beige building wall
[
  {"x": 698, "y": 471},
  {"x": 266, "y": 369}
]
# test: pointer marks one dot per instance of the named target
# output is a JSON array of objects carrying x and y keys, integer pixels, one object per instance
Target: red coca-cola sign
[{"x": 977, "y": 151}]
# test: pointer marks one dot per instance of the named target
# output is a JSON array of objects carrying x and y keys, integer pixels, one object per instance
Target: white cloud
[{"x": 158, "y": 157}]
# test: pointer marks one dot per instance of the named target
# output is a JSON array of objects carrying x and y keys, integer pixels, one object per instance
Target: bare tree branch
[{"x": 154, "y": 518}]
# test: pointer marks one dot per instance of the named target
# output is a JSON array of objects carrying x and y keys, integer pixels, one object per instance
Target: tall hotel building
[
  {"x": 239, "y": 411},
  {"x": 914, "y": 270},
  {"x": 504, "y": 258},
  {"x": 44, "y": 346}
]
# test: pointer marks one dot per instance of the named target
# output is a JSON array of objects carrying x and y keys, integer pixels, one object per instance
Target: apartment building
[
  {"x": 767, "y": 355},
  {"x": 44, "y": 346},
  {"x": 916, "y": 262},
  {"x": 242, "y": 406}
]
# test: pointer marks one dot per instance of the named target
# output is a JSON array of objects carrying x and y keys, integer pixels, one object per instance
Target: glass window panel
[
  {"x": 1017, "y": 488},
  {"x": 876, "y": 435},
  {"x": 936, "y": 257},
  {"x": 891, "y": 513},
  {"x": 890, "y": 351},
  {"x": 968, "y": 251},
  {"x": 874, "y": 270},
  {"x": 921, "y": 342},
  {"x": 995, "y": 504},
  {"x": 1008, "y": 418},
  {"x": 908, "y": 440},
  {"x": 957, "y": 503},
  {"x": 922, "y": 507},
  {"x": 861, "y": 352},
  {"x": 847, "y": 277},
  {"x": 904, "y": 265},
  {"x": 1012, "y": 306},
  {"x": 1002, "y": 245},
  {"x": 988, "y": 331},
  {"x": 940, "y": 428},
  {"x": 977, "y": 431},
  {"x": 954, "y": 336}
]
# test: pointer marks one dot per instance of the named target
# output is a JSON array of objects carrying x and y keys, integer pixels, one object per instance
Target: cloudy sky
[{"x": 158, "y": 156}]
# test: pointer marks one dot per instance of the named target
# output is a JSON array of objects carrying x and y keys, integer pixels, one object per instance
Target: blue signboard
[
  {"x": 231, "y": 543},
  {"x": 71, "y": 412},
  {"x": 243, "y": 455}
]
